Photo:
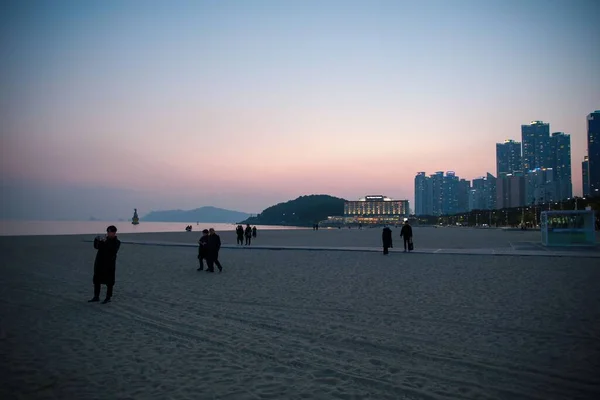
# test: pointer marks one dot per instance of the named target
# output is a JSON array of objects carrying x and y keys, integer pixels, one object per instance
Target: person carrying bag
[{"x": 407, "y": 234}]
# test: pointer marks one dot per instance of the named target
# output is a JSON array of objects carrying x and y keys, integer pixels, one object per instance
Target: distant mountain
[
  {"x": 202, "y": 214},
  {"x": 303, "y": 211}
]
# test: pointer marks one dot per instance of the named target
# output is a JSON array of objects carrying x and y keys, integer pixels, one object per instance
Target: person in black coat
[
  {"x": 240, "y": 234},
  {"x": 254, "y": 232},
  {"x": 212, "y": 255},
  {"x": 407, "y": 234},
  {"x": 386, "y": 237},
  {"x": 105, "y": 263},
  {"x": 203, "y": 249},
  {"x": 248, "y": 234}
]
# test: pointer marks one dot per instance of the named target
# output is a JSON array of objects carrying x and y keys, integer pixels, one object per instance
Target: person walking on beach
[
  {"x": 212, "y": 254},
  {"x": 386, "y": 237},
  {"x": 254, "y": 232},
  {"x": 203, "y": 249},
  {"x": 105, "y": 263},
  {"x": 407, "y": 235},
  {"x": 240, "y": 234},
  {"x": 248, "y": 234}
]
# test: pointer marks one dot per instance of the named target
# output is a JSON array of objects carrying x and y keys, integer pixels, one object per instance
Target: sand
[{"x": 296, "y": 325}]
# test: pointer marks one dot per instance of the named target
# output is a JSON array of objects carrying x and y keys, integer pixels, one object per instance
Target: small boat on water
[{"x": 135, "y": 220}]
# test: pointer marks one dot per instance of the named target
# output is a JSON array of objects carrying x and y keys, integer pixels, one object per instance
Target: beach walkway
[{"x": 531, "y": 249}]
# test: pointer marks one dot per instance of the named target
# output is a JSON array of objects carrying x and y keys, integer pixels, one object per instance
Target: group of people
[
  {"x": 106, "y": 259},
  {"x": 247, "y": 233},
  {"x": 405, "y": 233},
  {"x": 208, "y": 251}
]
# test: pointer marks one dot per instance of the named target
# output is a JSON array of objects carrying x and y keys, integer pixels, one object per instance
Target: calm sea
[{"x": 20, "y": 228}]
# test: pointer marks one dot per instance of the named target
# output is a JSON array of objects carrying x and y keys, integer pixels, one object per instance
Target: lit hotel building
[{"x": 375, "y": 210}]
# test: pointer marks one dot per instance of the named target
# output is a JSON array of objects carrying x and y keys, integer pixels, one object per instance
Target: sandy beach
[{"x": 299, "y": 324}]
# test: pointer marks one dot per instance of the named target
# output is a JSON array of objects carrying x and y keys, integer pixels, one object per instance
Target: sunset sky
[{"x": 111, "y": 105}]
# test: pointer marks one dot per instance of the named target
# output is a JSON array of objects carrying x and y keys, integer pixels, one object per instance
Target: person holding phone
[{"x": 105, "y": 263}]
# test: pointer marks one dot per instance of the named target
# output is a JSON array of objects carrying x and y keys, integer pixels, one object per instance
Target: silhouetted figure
[
  {"x": 105, "y": 263},
  {"x": 386, "y": 238},
  {"x": 407, "y": 235},
  {"x": 212, "y": 254},
  {"x": 188, "y": 228},
  {"x": 248, "y": 234},
  {"x": 203, "y": 250},
  {"x": 239, "y": 231},
  {"x": 254, "y": 232}
]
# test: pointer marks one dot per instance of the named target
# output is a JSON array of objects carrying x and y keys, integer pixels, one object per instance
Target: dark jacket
[
  {"x": 239, "y": 231},
  {"x": 248, "y": 231},
  {"x": 254, "y": 232},
  {"x": 406, "y": 231},
  {"x": 386, "y": 237},
  {"x": 203, "y": 247},
  {"x": 213, "y": 245},
  {"x": 106, "y": 260}
]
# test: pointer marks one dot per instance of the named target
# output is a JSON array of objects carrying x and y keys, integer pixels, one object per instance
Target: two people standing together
[
  {"x": 208, "y": 249},
  {"x": 406, "y": 233},
  {"x": 247, "y": 233}
]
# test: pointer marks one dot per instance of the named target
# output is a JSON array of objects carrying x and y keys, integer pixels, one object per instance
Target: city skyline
[
  {"x": 536, "y": 170},
  {"x": 111, "y": 106}
]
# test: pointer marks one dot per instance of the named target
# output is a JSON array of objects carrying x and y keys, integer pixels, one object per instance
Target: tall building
[
  {"x": 585, "y": 176},
  {"x": 423, "y": 194},
  {"x": 450, "y": 193},
  {"x": 375, "y": 209},
  {"x": 508, "y": 157},
  {"x": 593, "y": 142},
  {"x": 536, "y": 145},
  {"x": 560, "y": 154},
  {"x": 510, "y": 190},
  {"x": 482, "y": 195},
  {"x": 490, "y": 194},
  {"x": 464, "y": 187},
  {"x": 437, "y": 193},
  {"x": 440, "y": 194},
  {"x": 540, "y": 186}
]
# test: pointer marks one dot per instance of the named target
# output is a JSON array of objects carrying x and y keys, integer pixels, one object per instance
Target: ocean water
[{"x": 21, "y": 228}]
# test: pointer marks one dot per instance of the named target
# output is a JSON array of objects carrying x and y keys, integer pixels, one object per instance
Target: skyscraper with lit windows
[
  {"x": 536, "y": 145},
  {"x": 560, "y": 154},
  {"x": 508, "y": 157},
  {"x": 593, "y": 142},
  {"x": 585, "y": 176}
]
